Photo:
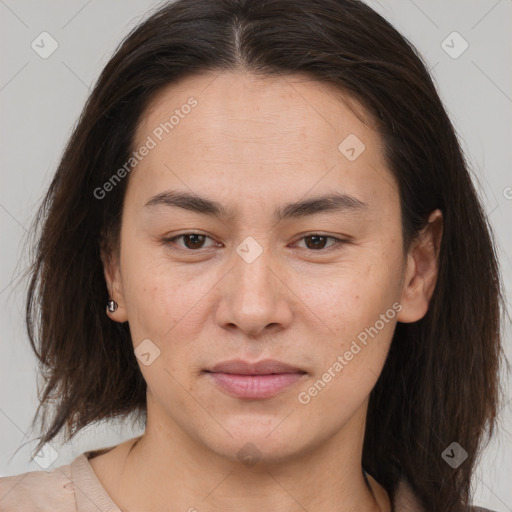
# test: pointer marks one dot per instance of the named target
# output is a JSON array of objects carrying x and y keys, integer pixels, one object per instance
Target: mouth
[{"x": 260, "y": 380}]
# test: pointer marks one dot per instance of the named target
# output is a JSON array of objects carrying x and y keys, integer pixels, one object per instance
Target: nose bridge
[
  {"x": 253, "y": 275},
  {"x": 254, "y": 295}
]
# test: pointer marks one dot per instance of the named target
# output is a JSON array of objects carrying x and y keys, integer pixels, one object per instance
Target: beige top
[{"x": 75, "y": 488}]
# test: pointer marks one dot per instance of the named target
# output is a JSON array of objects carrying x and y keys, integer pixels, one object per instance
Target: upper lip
[{"x": 265, "y": 367}]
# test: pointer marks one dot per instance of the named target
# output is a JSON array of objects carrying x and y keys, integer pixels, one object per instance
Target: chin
[{"x": 256, "y": 443}]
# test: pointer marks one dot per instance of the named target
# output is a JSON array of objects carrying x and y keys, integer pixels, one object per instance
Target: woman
[{"x": 303, "y": 300}]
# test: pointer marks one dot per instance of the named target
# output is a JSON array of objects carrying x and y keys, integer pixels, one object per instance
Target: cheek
[
  {"x": 351, "y": 356},
  {"x": 163, "y": 307},
  {"x": 168, "y": 304},
  {"x": 353, "y": 296},
  {"x": 160, "y": 296},
  {"x": 356, "y": 309}
]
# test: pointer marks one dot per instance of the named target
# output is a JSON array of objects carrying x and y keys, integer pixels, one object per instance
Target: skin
[{"x": 254, "y": 144}]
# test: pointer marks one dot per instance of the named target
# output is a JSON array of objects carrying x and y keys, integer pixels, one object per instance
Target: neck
[{"x": 325, "y": 477}]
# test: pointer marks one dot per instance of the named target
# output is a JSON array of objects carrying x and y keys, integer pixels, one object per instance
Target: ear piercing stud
[{"x": 111, "y": 306}]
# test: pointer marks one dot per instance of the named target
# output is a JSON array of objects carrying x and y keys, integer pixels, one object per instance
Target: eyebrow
[{"x": 335, "y": 202}]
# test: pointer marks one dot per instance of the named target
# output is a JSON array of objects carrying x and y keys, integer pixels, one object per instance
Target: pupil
[
  {"x": 316, "y": 237},
  {"x": 195, "y": 242}
]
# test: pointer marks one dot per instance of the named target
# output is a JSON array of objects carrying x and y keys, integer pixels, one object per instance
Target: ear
[
  {"x": 421, "y": 270},
  {"x": 113, "y": 279}
]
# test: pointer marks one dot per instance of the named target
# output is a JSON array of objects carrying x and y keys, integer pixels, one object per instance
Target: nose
[{"x": 255, "y": 297}]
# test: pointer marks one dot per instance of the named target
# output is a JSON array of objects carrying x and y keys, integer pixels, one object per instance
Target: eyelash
[{"x": 339, "y": 241}]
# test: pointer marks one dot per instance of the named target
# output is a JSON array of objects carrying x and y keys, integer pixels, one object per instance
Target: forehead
[
  {"x": 250, "y": 106},
  {"x": 255, "y": 134}
]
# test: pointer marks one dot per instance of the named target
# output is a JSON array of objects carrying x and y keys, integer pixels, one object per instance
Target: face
[{"x": 216, "y": 263}]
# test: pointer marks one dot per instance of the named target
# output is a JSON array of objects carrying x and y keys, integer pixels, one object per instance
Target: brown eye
[
  {"x": 191, "y": 241},
  {"x": 194, "y": 241},
  {"x": 317, "y": 242}
]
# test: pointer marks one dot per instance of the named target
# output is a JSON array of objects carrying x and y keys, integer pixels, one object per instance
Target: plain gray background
[{"x": 41, "y": 99}]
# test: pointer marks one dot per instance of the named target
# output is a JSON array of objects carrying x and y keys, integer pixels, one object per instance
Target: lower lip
[{"x": 254, "y": 386}]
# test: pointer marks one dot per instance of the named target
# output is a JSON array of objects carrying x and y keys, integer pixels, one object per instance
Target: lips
[
  {"x": 265, "y": 367},
  {"x": 254, "y": 381}
]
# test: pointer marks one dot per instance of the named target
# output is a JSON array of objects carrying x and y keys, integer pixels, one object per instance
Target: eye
[
  {"x": 316, "y": 241},
  {"x": 192, "y": 241},
  {"x": 195, "y": 241}
]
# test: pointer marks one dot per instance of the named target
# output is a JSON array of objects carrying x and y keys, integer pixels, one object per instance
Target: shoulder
[
  {"x": 38, "y": 491},
  {"x": 73, "y": 487}
]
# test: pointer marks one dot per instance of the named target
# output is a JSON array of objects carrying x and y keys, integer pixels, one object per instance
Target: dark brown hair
[{"x": 440, "y": 381}]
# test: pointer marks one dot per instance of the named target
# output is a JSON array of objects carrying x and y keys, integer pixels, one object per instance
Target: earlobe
[
  {"x": 421, "y": 270},
  {"x": 115, "y": 307}
]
